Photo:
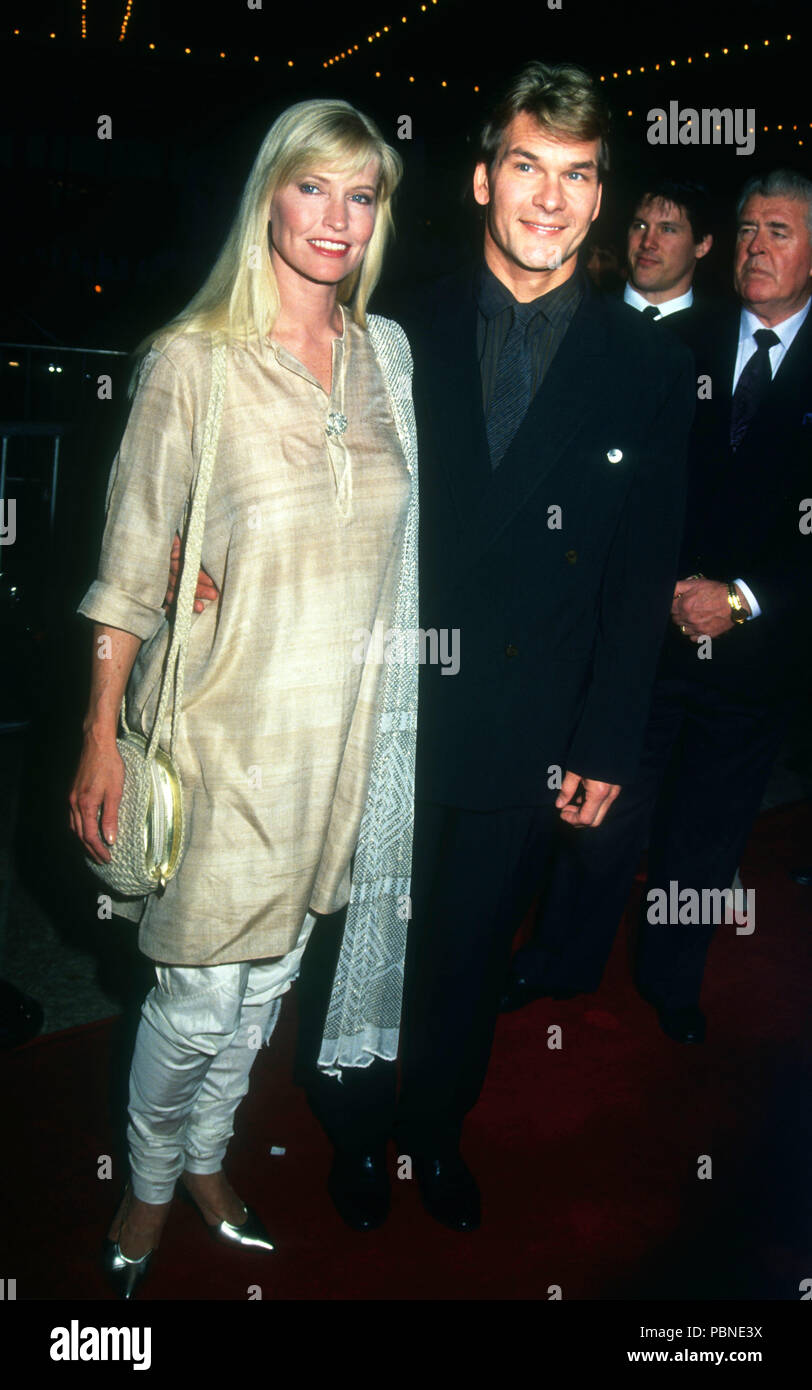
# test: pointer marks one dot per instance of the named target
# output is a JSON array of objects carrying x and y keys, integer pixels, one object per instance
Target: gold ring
[{"x": 682, "y": 627}]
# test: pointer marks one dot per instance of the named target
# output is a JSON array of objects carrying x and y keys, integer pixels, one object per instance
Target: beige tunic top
[{"x": 304, "y": 533}]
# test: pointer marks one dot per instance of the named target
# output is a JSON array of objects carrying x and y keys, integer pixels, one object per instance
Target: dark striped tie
[
  {"x": 512, "y": 389},
  {"x": 751, "y": 386}
]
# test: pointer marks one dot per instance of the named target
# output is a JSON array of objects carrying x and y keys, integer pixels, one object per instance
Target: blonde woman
[{"x": 295, "y": 747}]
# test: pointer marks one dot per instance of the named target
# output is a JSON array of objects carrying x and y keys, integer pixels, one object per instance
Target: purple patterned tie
[{"x": 751, "y": 386}]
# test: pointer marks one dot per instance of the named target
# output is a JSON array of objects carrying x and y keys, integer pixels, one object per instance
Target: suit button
[
  {"x": 571, "y": 557},
  {"x": 510, "y": 650}
]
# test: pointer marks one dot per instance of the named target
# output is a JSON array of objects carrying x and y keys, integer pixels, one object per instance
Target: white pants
[{"x": 200, "y": 1030}]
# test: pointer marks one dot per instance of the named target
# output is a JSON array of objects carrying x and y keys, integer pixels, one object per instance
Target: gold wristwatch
[{"x": 738, "y": 612}]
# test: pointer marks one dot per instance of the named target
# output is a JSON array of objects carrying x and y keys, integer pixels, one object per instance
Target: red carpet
[{"x": 587, "y": 1155}]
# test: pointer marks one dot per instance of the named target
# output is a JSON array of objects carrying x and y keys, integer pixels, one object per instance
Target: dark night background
[{"x": 144, "y": 213}]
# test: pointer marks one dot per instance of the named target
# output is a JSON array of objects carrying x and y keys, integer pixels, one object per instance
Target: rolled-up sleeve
[{"x": 147, "y": 492}]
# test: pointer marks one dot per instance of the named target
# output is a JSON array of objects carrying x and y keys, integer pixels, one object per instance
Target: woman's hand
[
  {"x": 97, "y": 787},
  {"x": 99, "y": 780},
  {"x": 206, "y": 587}
]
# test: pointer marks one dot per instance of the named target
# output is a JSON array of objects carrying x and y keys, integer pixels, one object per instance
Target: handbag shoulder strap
[{"x": 174, "y": 668}]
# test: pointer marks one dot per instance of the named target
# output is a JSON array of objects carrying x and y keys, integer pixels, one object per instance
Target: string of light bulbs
[
  {"x": 707, "y": 54},
  {"x": 377, "y": 34},
  {"x": 425, "y": 8},
  {"x": 125, "y": 21}
]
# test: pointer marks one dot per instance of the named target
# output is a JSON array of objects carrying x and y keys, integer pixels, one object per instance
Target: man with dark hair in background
[{"x": 669, "y": 232}]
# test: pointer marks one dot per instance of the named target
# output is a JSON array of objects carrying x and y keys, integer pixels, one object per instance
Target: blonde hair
[{"x": 240, "y": 297}]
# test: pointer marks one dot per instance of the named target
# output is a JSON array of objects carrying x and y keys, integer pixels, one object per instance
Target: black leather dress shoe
[
  {"x": 449, "y": 1192},
  {"x": 686, "y": 1025},
  {"x": 359, "y": 1187},
  {"x": 519, "y": 992}
]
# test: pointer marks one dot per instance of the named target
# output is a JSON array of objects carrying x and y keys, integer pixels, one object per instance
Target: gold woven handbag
[{"x": 150, "y": 837}]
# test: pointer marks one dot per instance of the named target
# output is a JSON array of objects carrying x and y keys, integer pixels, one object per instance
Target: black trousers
[
  {"x": 705, "y": 765},
  {"x": 474, "y": 876}
]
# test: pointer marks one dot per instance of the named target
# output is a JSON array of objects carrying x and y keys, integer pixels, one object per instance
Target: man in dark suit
[
  {"x": 735, "y": 656},
  {"x": 669, "y": 232},
  {"x": 552, "y": 435}
]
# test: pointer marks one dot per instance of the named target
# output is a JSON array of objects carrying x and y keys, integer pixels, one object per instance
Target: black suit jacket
[
  {"x": 743, "y": 515},
  {"x": 686, "y": 323},
  {"x": 561, "y": 613},
  {"x": 682, "y": 322}
]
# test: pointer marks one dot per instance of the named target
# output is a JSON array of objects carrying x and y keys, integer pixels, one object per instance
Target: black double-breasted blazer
[
  {"x": 745, "y": 517},
  {"x": 556, "y": 570}
]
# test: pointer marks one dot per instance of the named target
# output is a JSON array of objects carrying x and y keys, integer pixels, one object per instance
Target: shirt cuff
[
  {"x": 105, "y": 604},
  {"x": 755, "y": 610}
]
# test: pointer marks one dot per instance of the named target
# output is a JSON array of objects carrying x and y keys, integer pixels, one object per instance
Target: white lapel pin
[{"x": 615, "y": 455}]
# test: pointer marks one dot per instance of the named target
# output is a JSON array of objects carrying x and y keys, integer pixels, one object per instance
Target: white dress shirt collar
[
  {"x": 671, "y": 306},
  {"x": 786, "y": 330}
]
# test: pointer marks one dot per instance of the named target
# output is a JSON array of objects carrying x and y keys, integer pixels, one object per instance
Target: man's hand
[
  {"x": 591, "y": 806},
  {"x": 700, "y": 608},
  {"x": 206, "y": 588}
]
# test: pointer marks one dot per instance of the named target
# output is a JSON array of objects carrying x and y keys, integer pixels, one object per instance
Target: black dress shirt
[{"x": 548, "y": 319}]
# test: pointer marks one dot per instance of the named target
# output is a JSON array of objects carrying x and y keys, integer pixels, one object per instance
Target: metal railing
[
  {"x": 23, "y": 429},
  {"x": 53, "y": 380}
]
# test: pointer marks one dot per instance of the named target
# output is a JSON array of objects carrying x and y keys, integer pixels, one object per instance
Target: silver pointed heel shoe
[
  {"x": 250, "y": 1233},
  {"x": 124, "y": 1274}
]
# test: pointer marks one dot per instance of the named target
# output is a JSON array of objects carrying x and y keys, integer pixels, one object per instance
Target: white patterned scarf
[{"x": 363, "y": 1017}]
